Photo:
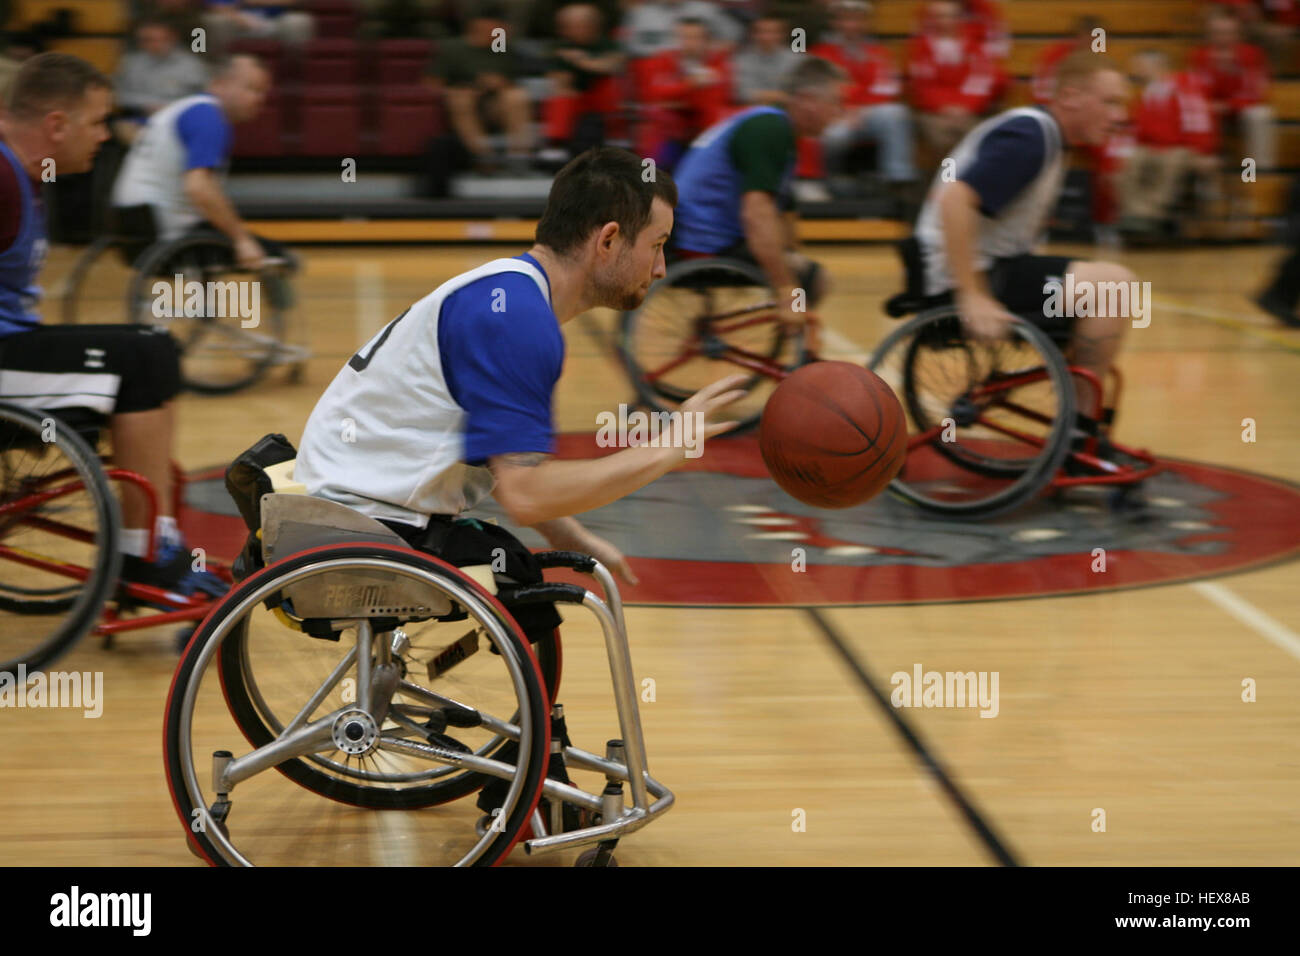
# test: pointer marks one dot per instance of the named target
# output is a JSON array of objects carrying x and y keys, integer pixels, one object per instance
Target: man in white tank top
[
  {"x": 989, "y": 203},
  {"x": 452, "y": 400},
  {"x": 177, "y": 163}
]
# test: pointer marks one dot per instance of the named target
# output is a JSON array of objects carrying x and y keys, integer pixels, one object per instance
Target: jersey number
[{"x": 359, "y": 361}]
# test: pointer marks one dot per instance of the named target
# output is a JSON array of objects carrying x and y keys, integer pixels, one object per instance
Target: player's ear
[{"x": 605, "y": 239}]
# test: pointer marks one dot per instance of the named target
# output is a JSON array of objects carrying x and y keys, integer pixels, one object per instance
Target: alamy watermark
[
  {"x": 946, "y": 689},
  {"x": 70, "y": 689},
  {"x": 1128, "y": 300},
  {"x": 193, "y": 299},
  {"x": 627, "y": 429}
]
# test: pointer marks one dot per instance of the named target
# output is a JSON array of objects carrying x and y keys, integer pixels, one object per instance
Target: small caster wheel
[{"x": 596, "y": 856}]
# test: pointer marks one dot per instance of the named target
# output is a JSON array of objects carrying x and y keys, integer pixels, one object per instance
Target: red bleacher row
[{"x": 342, "y": 97}]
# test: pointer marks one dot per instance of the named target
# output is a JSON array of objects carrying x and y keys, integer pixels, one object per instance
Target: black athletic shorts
[
  {"x": 109, "y": 369},
  {"x": 466, "y": 541},
  {"x": 1017, "y": 282}
]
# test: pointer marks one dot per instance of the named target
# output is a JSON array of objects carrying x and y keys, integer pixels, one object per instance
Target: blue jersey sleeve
[
  {"x": 1007, "y": 160},
  {"x": 206, "y": 135},
  {"x": 502, "y": 353}
]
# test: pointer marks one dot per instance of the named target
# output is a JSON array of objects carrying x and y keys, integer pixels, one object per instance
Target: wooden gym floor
[{"x": 1128, "y": 701}]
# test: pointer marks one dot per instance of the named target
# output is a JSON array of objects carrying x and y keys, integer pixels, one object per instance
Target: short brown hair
[
  {"x": 1078, "y": 67},
  {"x": 49, "y": 82},
  {"x": 812, "y": 72},
  {"x": 604, "y": 184}
]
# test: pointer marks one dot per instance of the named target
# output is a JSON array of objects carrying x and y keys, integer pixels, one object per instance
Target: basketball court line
[
  {"x": 1272, "y": 630},
  {"x": 982, "y": 828},
  {"x": 1250, "y": 329}
]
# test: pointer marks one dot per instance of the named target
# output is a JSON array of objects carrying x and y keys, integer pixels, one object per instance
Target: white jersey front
[
  {"x": 1017, "y": 228},
  {"x": 153, "y": 173},
  {"x": 387, "y": 437}
]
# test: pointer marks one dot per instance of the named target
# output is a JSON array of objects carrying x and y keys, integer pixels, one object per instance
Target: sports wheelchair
[
  {"x": 219, "y": 352},
  {"x": 991, "y": 424},
  {"x": 59, "y": 541},
  {"x": 386, "y": 679}
]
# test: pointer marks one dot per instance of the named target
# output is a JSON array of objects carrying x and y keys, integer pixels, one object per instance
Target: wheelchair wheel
[
  {"x": 59, "y": 536},
  {"x": 249, "y": 654},
  {"x": 425, "y": 721},
  {"x": 91, "y": 292},
  {"x": 989, "y": 421},
  {"x": 219, "y": 354},
  {"x": 706, "y": 319}
]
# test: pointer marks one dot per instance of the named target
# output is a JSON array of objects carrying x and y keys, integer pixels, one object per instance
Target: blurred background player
[
  {"x": 57, "y": 111},
  {"x": 734, "y": 184},
  {"x": 977, "y": 233},
  {"x": 176, "y": 166}
]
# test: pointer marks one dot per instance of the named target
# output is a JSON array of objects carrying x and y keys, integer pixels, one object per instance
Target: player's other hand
[
  {"x": 608, "y": 555},
  {"x": 982, "y": 316},
  {"x": 711, "y": 399},
  {"x": 248, "y": 252}
]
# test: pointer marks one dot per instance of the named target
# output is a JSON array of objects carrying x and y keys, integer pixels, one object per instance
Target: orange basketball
[{"x": 833, "y": 434}]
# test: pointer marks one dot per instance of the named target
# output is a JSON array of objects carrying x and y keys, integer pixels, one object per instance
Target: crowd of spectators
[{"x": 524, "y": 84}]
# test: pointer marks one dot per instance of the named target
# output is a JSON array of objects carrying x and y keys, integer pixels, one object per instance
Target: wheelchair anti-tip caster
[{"x": 602, "y": 855}]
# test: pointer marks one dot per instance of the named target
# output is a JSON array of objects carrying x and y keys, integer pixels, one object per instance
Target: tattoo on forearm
[{"x": 529, "y": 459}]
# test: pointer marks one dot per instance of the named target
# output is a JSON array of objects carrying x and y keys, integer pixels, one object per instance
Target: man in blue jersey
[
  {"x": 452, "y": 400},
  {"x": 735, "y": 185},
  {"x": 54, "y": 123}
]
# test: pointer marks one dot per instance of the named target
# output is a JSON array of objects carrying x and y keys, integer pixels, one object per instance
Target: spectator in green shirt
[{"x": 477, "y": 73}]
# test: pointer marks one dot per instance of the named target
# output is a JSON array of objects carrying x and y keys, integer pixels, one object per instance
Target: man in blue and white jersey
[
  {"x": 452, "y": 400},
  {"x": 176, "y": 166}
]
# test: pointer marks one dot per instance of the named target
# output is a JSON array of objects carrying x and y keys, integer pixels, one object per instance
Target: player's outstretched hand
[
  {"x": 711, "y": 399},
  {"x": 249, "y": 253},
  {"x": 983, "y": 317}
]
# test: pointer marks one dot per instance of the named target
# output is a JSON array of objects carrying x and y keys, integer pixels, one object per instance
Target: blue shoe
[{"x": 172, "y": 571}]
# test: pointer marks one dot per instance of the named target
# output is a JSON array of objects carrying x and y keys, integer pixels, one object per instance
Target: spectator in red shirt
[
  {"x": 687, "y": 90},
  {"x": 1175, "y": 134},
  {"x": 1235, "y": 77},
  {"x": 952, "y": 80},
  {"x": 582, "y": 74},
  {"x": 1273, "y": 24},
  {"x": 871, "y": 100}
]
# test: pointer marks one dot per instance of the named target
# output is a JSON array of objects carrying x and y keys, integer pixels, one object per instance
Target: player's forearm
[
  {"x": 765, "y": 234},
  {"x": 959, "y": 216},
  {"x": 556, "y": 489},
  {"x": 203, "y": 190},
  {"x": 562, "y": 533}
]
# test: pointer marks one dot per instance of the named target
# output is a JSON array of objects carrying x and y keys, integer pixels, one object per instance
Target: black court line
[{"x": 983, "y": 829}]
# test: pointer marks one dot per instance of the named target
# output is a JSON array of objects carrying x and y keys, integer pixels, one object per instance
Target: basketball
[{"x": 833, "y": 435}]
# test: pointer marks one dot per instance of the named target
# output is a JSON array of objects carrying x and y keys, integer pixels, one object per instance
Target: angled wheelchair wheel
[
  {"x": 92, "y": 290},
  {"x": 231, "y": 334},
  {"x": 989, "y": 421},
  {"x": 403, "y": 719},
  {"x": 706, "y": 319},
  {"x": 263, "y": 714},
  {"x": 59, "y": 538}
]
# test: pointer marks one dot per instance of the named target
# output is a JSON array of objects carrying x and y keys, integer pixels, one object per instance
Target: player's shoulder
[
  {"x": 199, "y": 110},
  {"x": 504, "y": 293}
]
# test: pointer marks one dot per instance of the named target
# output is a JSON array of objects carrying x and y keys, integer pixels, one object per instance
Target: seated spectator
[
  {"x": 759, "y": 70},
  {"x": 874, "y": 113},
  {"x": 1271, "y": 24},
  {"x": 812, "y": 16},
  {"x": 983, "y": 23},
  {"x": 1235, "y": 77},
  {"x": 482, "y": 96},
  {"x": 227, "y": 20},
  {"x": 159, "y": 71},
  {"x": 952, "y": 81},
  {"x": 649, "y": 27},
  {"x": 1175, "y": 135},
  {"x": 686, "y": 91},
  {"x": 582, "y": 110},
  {"x": 183, "y": 15}
]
